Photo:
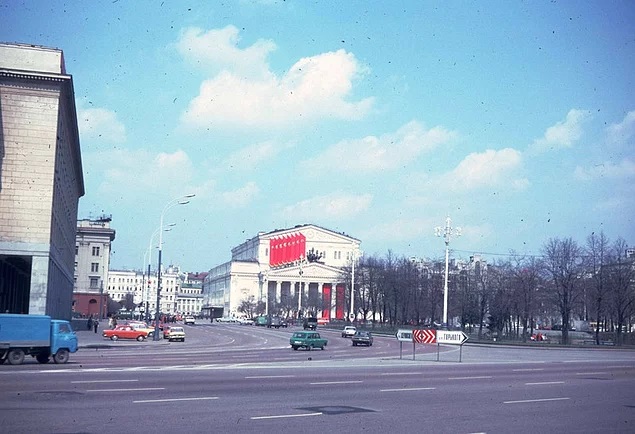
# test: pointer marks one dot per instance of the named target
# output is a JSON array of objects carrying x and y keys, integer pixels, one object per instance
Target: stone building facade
[
  {"x": 274, "y": 268},
  {"x": 41, "y": 181}
]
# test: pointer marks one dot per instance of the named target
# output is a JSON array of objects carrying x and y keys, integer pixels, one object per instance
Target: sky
[{"x": 378, "y": 119}]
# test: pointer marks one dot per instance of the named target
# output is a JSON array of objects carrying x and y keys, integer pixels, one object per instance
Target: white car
[
  {"x": 189, "y": 320},
  {"x": 348, "y": 332}
]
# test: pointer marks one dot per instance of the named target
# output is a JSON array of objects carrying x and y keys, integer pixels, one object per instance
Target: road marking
[
  {"x": 102, "y": 381},
  {"x": 269, "y": 376},
  {"x": 470, "y": 378},
  {"x": 126, "y": 390},
  {"x": 591, "y": 373},
  {"x": 145, "y": 401},
  {"x": 544, "y": 382},
  {"x": 401, "y": 373},
  {"x": 282, "y": 416},
  {"x": 407, "y": 389},
  {"x": 535, "y": 400},
  {"x": 336, "y": 382},
  {"x": 528, "y": 370}
]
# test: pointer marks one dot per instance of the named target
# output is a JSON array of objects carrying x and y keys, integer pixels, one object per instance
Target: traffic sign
[
  {"x": 451, "y": 337},
  {"x": 404, "y": 335},
  {"x": 424, "y": 336}
]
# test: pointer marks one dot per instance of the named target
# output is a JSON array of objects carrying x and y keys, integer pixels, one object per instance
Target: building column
[{"x": 278, "y": 290}]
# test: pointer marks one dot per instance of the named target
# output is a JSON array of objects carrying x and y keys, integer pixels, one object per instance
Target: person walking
[{"x": 95, "y": 324}]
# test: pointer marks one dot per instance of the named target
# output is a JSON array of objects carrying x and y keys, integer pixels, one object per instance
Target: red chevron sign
[{"x": 424, "y": 336}]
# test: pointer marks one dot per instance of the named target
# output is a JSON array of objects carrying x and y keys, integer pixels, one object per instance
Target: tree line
[{"x": 512, "y": 296}]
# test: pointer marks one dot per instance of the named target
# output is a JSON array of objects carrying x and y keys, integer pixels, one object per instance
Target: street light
[
  {"x": 148, "y": 254},
  {"x": 446, "y": 232},
  {"x": 300, "y": 284},
  {"x": 178, "y": 201},
  {"x": 356, "y": 253}
]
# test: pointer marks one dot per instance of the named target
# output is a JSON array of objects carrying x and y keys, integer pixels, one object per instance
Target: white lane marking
[
  {"x": 470, "y": 378},
  {"x": 525, "y": 401},
  {"x": 126, "y": 390},
  {"x": 269, "y": 376},
  {"x": 281, "y": 416},
  {"x": 528, "y": 370},
  {"x": 544, "y": 382},
  {"x": 591, "y": 373},
  {"x": 145, "y": 401},
  {"x": 401, "y": 373},
  {"x": 102, "y": 381},
  {"x": 335, "y": 382},
  {"x": 407, "y": 389}
]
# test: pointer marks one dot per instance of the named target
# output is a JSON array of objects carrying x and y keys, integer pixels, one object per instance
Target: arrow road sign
[
  {"x": 424, "y": 336},
  {"x": 451, "y": 337}
]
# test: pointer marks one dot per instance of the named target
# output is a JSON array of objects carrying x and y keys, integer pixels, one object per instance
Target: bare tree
[
  {"x": 621, "y": 278},
  {"x": 526, "y": 277},
  {"x": 563, "y": 264},
  {"x": 597, "y": 255},
  {"x": 248, "y": 306}
]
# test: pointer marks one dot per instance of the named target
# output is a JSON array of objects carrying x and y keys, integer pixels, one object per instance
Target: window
[
  {"x": 94, "y": 267},
  {"x": 95, "y": 251},
  {"x": 94, "y": 282}
]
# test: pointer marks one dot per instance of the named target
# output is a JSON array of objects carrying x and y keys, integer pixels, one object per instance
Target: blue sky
[{"x": 373, "y": 118}]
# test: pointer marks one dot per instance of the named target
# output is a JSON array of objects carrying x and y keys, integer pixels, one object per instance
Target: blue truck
[{"x": 38, "y": 336}]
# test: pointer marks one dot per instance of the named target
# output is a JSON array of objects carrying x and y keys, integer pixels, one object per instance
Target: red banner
[{"x": 287, "y": 249}]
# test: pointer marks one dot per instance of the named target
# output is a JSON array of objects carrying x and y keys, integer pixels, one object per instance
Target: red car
[{"x": 125, "y": 332}]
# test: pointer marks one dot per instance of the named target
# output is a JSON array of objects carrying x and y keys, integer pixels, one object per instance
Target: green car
[{"x": 308, "y": 340}]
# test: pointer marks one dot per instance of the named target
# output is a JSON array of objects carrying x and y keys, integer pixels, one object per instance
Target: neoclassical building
[{"x": 274, "y": 267}]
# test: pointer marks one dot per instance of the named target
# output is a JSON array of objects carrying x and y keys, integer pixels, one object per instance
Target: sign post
[
  {"x": 405, "y": 335},
  {"x": 453, "y": 338}
]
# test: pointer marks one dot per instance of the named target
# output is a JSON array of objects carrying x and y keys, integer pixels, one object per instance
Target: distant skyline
[{"x": 376, "y": 119}]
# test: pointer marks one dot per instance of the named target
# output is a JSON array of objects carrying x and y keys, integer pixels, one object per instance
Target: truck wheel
[
  {"x": 61, "y": 357},
  {"x": 15, "y": 357},
  {"x": 141, "y": 338},
  {"x": 42, "y": 358}
]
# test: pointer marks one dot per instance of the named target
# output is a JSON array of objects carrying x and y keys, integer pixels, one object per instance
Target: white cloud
[
  {"x": 246, "y": 93},
  {"x": 621, "y": 133},
  {"x": 248, "y": 158},
  {"x": 563, "y": 134},
  {"x": 334, "y": 206},
  {"x": 623, "y": 170},
  {"x": 389, "y": 151},
  {"x": 242, "y": 196},
  {"x": 217, "y": 50},
  {"x": 101, "y": 125},
  {"x": 487, "y": 169}
]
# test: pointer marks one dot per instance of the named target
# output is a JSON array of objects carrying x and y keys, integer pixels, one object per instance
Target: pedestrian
[
  {"x": 95, "y": 324},
  {"x": 110, "y": 322},
  {"x": 89, "y": 324}
]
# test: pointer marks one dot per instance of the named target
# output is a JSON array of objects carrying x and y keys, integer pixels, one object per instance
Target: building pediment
[{"x": 313, "y": 271}]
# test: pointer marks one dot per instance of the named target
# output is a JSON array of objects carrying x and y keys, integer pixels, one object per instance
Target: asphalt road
[{"x": 230, "y": 378}]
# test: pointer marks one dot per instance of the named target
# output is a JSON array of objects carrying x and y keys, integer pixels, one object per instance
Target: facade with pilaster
[
  {"x": 41, "y": 181},
  {"x": 274, "y": 268}
]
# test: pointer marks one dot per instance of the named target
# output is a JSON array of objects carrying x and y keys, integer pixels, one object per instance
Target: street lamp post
[
  {"x": 354, "y": 255},
  {"x": 148, "y": 253},
  {"x": 179, "y": 201},
  {"x": 446, "y": 232},
  {"x": 300, "y": 284}
]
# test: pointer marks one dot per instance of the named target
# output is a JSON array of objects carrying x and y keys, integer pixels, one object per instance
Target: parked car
[
  {"x": 140, "y": 325},
  {"x": 176, "y": 333},
  {"x": 246, "y": 321},
  {"x": 348, "y": 331},
  {"x": 362, "y": 338},
  {"x": 308, "y": 340},
  {"x": 125, "y": 332},
  {"x": 189, "y": 320}
]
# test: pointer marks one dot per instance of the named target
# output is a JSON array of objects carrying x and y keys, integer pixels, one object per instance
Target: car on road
[
  {"x": 189, "y": 320},
  {"x": 308, "y": 340},
  {"x": 176, "y": 333},
  {"x": 362, "y": 338},
  {"x": 246, "y": 321},
  {"x": 140, "y": 325},
  {"x": 125, "y": 332},
  {"x": 348, "y": 331},
  {"x": 310, "y": 323}
]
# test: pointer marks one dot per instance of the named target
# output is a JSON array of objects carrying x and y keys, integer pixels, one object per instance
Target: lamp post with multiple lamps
[
  {"x": 446, "y": 232},
  {"x": 183, "y": 200},
  {"x": 355, "y": 254}
]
